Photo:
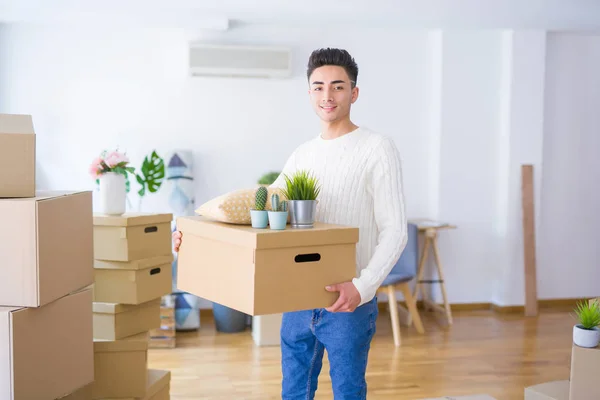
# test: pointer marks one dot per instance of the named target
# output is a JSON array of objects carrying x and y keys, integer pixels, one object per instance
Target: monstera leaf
[{"x": 152, "y": 174}]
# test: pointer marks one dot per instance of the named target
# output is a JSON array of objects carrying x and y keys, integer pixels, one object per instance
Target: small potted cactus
[
  {"x": 258, "y": 214},
  {"x": 278, "y": 214}
]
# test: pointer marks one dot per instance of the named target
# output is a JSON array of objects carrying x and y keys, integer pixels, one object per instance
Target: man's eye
[{"x": 339, "y": 88}]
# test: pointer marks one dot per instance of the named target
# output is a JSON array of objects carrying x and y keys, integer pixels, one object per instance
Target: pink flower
[
  {"x": 115, "y": 158},
  {"x": 96, "y": 168}
]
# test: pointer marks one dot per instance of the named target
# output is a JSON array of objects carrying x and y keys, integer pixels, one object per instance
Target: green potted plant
[
  {"x": 301, "y": 191},
  {"x": 258, "y": 214},
  {"x": 586, "y": 333},
  {"x": 268, "y": 178},
  {"x": 278, "y": 214}
]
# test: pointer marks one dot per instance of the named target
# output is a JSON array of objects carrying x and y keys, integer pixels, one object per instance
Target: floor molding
[{"x": 542, "y": 304}]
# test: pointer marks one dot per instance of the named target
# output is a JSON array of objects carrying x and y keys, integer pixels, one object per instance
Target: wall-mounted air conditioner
[{"x": 239, "y": 61}]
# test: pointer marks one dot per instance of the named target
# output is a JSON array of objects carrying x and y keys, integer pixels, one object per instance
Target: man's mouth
[{"x": 328, "y": 108}]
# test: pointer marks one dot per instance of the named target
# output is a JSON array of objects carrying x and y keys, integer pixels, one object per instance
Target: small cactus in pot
[
  {"x": 278, "y": 214},
  {"x": 258, "y": 214}
]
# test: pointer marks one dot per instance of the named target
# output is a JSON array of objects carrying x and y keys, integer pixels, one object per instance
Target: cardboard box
[
  {"x": 585, "y": 364},
  {"x": 121, "y": 367},
  {"x": 157, "y": 388},
  {"x": 555, "y": 390},
  {"x": 133, "y": 282},
  {"x": 17, "y": 156},
  {"x": 132, "y": 236},
  {"x": 264, "y": 271},
  {"x": 46, "y": 247},
  {"x": 117, "y": 321},
  {"x": 46, "y": 352}
]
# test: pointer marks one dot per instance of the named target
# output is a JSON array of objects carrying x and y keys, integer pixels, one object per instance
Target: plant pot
[
  {"x": 113, "y": 193},
  {"x": 229, "y": 320},
  {"x": 302, "y": 213},
  {"x": 259, "y": 218},
  {"x": 278, "y": 219},
  {"x": 586, "y": 337}
]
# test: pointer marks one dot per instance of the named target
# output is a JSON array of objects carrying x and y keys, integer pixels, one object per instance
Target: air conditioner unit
[{"x": 239, "y": 61}]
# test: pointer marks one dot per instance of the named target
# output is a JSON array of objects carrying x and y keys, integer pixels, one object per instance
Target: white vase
[
  {"x": 113, "y": 193},
  {"x": 586, "y": 337}
]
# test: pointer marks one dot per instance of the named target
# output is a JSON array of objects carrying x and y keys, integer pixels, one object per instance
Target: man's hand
[
  {"x": 176, "y": 240},
  {"x": 349, "y": 297}
]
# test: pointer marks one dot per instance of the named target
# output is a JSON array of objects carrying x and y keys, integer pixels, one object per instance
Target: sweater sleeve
[{"x": 386, "y": 187}]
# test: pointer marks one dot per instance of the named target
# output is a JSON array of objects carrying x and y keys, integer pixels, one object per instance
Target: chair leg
[
  {"x": 411, "y": 304},
  {"x": 394, "y": 314}
]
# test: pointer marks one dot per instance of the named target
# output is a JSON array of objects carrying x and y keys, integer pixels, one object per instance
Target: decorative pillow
[{"x": 234, "y": 207}]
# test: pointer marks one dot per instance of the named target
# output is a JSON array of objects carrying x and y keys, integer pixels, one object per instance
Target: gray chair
[{"x": 399, "y": 278}]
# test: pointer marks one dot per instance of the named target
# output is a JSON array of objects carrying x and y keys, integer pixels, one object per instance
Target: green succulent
[
  {"x": 276, "y": 204},
  {"x": 301, "y": 186},
  {"x": 588, "y": 314},
  {"x": 261, "y": 198},
  {"x": 268, "y": 178}
]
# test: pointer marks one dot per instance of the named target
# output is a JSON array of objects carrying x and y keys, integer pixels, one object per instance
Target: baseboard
[
  {"x": 545, "y": 304},
  {"x": 542, "y": 304}
]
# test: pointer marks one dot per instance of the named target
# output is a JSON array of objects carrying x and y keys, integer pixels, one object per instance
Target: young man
[{"x": 361, "y": 185}]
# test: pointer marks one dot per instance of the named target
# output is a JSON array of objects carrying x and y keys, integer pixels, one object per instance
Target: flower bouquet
[{"x": 110, "y": 170}]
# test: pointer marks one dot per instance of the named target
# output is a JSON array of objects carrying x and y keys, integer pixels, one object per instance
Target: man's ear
[{"x": 354, "y": 94}]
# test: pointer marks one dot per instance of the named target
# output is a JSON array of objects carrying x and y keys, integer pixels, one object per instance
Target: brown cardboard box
[
  {"x": 263, "y": 271},
  {"x": 46, "y": 352},
  {"x": 17, "y": 156},
  {"x": 46, "y": 247},
  {"x": 121, "y": 367},
  {"x": 117, "y": 321},
  {"x": 157, "y": 388},
  {"x": 555, "y": 390},
  {"x": 585, "y": 364},
  {"x": 132, "y": 236},
  {"x": 133, "y": 282}
]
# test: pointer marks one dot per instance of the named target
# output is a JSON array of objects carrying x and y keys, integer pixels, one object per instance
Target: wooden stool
[{"x": 430, "y": 230}]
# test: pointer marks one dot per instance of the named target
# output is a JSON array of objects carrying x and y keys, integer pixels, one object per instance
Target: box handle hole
[
  {"x": 149, "y": 229},
  {"x": 312, "y": 257},
  {"x": 155, "y": 271}
]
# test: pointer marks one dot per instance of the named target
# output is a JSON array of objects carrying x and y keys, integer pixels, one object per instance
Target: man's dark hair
[{"x": 330, "y": 56}]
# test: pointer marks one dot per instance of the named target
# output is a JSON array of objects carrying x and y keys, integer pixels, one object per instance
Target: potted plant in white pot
[
  {"x": 301, "y": 192},
  {"x": 258, "y": 215},
  {"x": 278, "y": 215},
  {"x": 586, "y": 333},
  {"x": 110, "y": 170}
]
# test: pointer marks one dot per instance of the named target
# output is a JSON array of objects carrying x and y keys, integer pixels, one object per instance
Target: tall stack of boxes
[
  {"x": 582, "y": 383},
  {"x": 132, "y": 272},
  {"x": 46, "y": 274}
]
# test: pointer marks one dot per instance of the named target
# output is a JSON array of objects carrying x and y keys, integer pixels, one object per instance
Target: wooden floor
[{"x": 483, "y": 352}]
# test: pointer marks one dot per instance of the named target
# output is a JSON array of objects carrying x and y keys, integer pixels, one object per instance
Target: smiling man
[
  {"x": 361, "y": 185},
  {"x": 361, "y": 178}
]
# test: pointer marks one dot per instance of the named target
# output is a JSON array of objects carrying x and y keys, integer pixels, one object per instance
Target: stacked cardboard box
[
  {"x": 132, "y": 272},
  {"x": 581, "y": 385},
  {"x": 46, "y": 273}
]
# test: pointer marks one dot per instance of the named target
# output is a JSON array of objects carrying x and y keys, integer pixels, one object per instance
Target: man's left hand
[{"x": 348, "y": 300}]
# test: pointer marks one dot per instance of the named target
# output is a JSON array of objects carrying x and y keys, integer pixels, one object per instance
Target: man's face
[{"x": 331, "y": 93}]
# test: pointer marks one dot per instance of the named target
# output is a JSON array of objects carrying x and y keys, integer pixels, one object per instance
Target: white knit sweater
[{"x": 361, "y": 185}]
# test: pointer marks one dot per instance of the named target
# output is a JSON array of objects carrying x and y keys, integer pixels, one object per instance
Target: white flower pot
[
  {"x": 586, "y": 337},
  {"x": 113, "y": 193}
]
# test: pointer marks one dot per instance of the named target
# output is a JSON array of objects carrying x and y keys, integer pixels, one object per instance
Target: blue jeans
[{"x": 346, "y": 337}]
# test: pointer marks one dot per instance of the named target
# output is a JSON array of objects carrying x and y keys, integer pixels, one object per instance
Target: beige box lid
[
  {"x": 131, "y": 219},
  {"x": 555, "y": 390},
  {"x": 135, "y": 264},
  {"x": 16, "y": 124},
  {"x": 157, "y": 379},
  {"x": 116, "y": 308},
  {"x": 245, "y": 235},
  {"x": 137, "y": 342}
]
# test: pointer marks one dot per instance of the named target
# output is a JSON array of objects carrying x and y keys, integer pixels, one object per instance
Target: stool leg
[
  {"x": 391, "y": 292},
  {"x": 411, "y": 304},
  {"x": 438, "y": 263}
]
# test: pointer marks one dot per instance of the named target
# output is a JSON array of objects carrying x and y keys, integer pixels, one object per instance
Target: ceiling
[{"x": 222, "y": 14}]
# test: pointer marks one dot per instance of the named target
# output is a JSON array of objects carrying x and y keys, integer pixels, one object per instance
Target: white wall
[
  {"x": 458, "y": 104},
  {"x": 570, "y": 257}
]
